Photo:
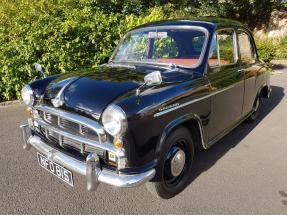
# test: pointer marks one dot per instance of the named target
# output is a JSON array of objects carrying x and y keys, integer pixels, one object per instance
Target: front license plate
[{"x": 56, "y": 169}]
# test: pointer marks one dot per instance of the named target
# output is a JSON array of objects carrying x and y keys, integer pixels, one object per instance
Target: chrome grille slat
[
  {"x": 51, "y": 118},
  {"x": 87, "y": 132},
  {"x": 52, "y": 135},
  {"x": 73, "y": 127},
  {"x": 70, "y": 142},
  {"x": 69, "y": 125},
  {"x": 106, "y": 146}
]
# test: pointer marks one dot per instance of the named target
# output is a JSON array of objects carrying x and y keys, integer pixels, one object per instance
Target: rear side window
[
  {"x": 245, "y": 48},
  {"x": 222, "y": 50}
]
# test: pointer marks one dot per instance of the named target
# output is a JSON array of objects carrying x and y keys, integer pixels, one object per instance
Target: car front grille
[{"x": 68, "y": 126}]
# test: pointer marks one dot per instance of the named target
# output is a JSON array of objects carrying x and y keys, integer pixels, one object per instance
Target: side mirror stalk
[
  {"x": 153, "y": 78},
  {"x": 39, "y": 68}
]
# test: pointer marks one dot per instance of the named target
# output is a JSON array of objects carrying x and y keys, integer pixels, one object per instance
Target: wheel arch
[{"x": 192, "y": 122}]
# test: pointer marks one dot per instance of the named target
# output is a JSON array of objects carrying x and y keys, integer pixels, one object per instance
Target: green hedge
[
  {"x": 269, "y": 49},
  {"x": 63, "y": 36}
]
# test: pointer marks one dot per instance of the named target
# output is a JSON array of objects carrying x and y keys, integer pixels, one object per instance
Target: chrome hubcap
[{"x": 177, "y": 162}]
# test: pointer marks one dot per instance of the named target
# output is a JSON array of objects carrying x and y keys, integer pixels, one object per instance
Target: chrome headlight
[
  {"x": 114, "y": 120},
  {"x": 27, "y": 95}
]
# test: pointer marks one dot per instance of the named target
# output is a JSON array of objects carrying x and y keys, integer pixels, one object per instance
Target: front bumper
[{"x": 91, "y": 168}]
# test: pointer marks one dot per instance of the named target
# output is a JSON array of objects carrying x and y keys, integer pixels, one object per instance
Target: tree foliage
[{"x": 66, "y": 35}]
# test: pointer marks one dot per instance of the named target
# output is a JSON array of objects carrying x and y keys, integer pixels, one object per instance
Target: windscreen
[{"x": 175, "y": 46}]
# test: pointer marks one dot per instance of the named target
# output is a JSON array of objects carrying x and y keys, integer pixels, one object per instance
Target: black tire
[
  {"x": 255, "y": 111},
  {"x": 166, "y": 185}
]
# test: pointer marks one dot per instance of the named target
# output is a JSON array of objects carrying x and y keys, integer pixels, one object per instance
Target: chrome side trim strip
[
  {"x": 191, "y": 102},
  {"x": 180, "y": 106},
  {"x": 201, "y": 131}
]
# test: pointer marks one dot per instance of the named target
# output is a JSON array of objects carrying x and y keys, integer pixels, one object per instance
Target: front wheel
[{"x": 174, "y": 168}]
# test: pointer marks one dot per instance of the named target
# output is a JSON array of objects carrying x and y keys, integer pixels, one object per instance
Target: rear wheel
[
  {"x": 174, "y": 168},
  {"x": 255, "y": 110}
]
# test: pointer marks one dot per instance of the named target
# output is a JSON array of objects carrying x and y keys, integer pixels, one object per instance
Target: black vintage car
[{"x": 169, "y": 87}]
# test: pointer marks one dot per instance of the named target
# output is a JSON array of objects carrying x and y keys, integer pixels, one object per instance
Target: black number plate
[{"x": 56, "y": 169}]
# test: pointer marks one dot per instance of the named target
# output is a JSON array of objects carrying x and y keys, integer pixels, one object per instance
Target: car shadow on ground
[
  {"x": 279, "y": 66},
  {"x": 205, "y": 159}
]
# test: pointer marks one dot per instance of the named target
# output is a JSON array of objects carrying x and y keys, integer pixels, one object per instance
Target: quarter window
[
  {"x": 245, "y": 48},
  {"x": 222, "y": 50}
]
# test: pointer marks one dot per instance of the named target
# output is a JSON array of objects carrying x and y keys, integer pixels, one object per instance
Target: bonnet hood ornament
[{"x": 59, "y": 99}]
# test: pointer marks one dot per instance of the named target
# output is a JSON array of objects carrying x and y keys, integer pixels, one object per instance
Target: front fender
[
  {"x": 173, "y": 125},
  {"x": 39, "y": 86}
]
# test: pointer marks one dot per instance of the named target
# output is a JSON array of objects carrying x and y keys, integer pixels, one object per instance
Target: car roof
[{"x": 197, "y": 21}]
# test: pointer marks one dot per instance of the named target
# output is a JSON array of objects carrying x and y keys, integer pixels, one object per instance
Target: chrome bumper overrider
[{"x": 91, "y": 168}]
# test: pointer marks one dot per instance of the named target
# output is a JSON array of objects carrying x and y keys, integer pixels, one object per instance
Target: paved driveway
[{"x": 244, "y": 173}]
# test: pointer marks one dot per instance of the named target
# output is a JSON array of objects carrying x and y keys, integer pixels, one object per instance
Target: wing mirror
[
  {"x": 153, "y": 78},
  {"x": 39, "y": 68}
]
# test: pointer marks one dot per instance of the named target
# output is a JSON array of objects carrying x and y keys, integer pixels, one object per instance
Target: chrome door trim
[{"x": 191, "y": 102}]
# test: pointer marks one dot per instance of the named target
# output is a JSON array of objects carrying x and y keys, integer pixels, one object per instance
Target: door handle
[{"x": 241, "y": 70}]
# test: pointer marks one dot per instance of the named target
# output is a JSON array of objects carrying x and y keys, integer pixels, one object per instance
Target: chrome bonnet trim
[{"x": 59, "y": 100}]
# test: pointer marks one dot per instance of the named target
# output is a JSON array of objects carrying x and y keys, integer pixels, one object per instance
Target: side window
[
  {"x": 245, "y": 48},
  {"x": 222, "y": 50}
]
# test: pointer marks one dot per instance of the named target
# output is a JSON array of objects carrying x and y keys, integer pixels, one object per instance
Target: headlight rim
[
  {"x": 30, "y": 91},
  {"x": 124, "y": 123}
]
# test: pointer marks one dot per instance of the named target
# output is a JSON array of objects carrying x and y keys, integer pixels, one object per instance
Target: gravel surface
[{"x": 244, "y": 173}]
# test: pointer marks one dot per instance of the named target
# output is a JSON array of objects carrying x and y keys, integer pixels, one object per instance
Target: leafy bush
[
  {"x": 281, "y": 51},
  {"x": 62, "y": 38},
  {"x": 266, "y": 49},
  {"x": 61, "y": 35},
  {"x": 269, "y": 49},
  {"x": 68, "y": 35}
]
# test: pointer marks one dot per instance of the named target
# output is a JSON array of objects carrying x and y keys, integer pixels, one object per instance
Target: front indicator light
[
  {"x": 29, "y": 111},
  {"x": 118, "y": 143}
]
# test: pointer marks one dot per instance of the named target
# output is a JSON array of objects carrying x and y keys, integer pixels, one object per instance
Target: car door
[
  {"x": 252, "y": 68},
  {"x": 227, "y": 83}
]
